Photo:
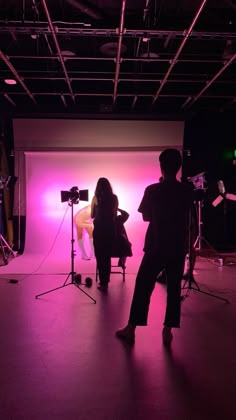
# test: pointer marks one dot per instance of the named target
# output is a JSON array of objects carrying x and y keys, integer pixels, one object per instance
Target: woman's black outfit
[{"x": 104, "y": 236}]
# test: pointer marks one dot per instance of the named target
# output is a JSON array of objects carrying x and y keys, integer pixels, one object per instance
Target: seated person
[
  {"x": 83, "y": 223},
  {"x": 122, "y": 248}
]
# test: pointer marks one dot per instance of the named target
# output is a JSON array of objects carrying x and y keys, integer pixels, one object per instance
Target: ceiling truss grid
[{"x": 118, "y": 56}]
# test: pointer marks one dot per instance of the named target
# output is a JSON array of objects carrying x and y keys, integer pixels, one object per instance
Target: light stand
[
  {"x": 222, "y": 191},
  {"x": 5, "y": 248},
  {"x": 72, "y": 274},
  {"x": 190, "y": 283},
  {"x": 199, "y": 183},
  {"x": 200, "y": 240},
  {"x": 4, "y": 245}
]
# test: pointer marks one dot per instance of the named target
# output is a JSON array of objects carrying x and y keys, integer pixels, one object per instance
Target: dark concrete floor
[{"x": 60, "y": 359}]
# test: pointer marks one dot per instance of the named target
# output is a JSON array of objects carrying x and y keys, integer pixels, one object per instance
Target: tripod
[
  {"x": 188, "y": 286},
  {"x": 200, "y": 240},
  {"x": 190, "y": 283},
  {"x": 72, "y": 273},
  {"x": 5, "y": 246}
]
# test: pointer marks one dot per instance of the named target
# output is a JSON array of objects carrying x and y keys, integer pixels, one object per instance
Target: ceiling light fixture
[
  {"x": 149, "y": 54},
  {"x": 110, "y": 49},
  {"x": 10, "y": 81},
  {"x": 68, "y": 53}
]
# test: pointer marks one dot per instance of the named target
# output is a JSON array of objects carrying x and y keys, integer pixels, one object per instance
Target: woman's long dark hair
[{"x": 103, "y": 191}]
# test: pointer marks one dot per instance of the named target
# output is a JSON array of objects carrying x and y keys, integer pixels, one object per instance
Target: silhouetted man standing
[{"x": 166, "y": 206}]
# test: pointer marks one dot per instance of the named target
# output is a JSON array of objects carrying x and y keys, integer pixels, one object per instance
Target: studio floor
[{"x": 60, "y": 359}]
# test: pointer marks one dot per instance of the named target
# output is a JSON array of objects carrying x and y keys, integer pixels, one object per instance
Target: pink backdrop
[{"x": 47, "y": 173}]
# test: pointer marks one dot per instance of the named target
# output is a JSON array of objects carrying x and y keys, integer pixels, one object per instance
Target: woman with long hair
[{"x": 103, "y": 212}]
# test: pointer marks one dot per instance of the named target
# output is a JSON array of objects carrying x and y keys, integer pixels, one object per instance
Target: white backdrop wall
[{"x": 40, "y": 134}]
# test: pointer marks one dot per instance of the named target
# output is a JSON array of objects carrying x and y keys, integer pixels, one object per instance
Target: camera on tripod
[
  {"x": 199, "y": 182},
  {"x": 74, "y": 195}
]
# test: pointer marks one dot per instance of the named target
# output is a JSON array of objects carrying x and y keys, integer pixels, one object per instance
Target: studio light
[
  {"x": 74, "y": 195},
  {"x": 7, "y": 181}
]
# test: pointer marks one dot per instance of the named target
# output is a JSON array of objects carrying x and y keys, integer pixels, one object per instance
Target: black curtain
[{"x": 209, "y": 143}]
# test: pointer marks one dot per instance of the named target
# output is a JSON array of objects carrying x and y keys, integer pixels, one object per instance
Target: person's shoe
[
  {"x": 167, "y": 336},
  {"x": 161, "y": 278},
  {"x": 103, "y": 287},
  {"x": 127, "y": 334},
  {"x": 85, "y": 257}
]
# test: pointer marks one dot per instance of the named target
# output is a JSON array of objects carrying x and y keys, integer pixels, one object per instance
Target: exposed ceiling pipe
[
  {"x": 12, "y": 32},
  {"x": 228, "y": 104},
  {"x": 161, "y": 60},
  {"x": 189, "y": 98},
  {"x": 48, "y": 44},
  {"x": 231, "y": 3},
  {"x": 118, "y": 55},
  {"x": 146, "y": 10},
  {"x": 35, "y": 8},
  {"x": 174, "y": 61},
  {"x": 167, "y": 40},
  {"x": 57, "y": 47},
  {"x": 134, "y": 101},
  {"x": 122, "y": 95},
  {"x": 9, "y": 99},
  {"x": 16, "y": 75},
  {"x": 86, "y": 8},
  {"x": 208, "y": 84},
  {"x": 80, "y": 29},
  {"x": 64, "y": 101}
]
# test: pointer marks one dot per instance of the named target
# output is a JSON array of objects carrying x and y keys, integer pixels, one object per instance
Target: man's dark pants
[{"x": 149, "y": 269}]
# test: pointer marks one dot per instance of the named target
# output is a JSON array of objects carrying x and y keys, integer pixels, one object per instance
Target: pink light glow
[
  {"x": 10, "y": 81},
  {"x": 48, "y": 173}
]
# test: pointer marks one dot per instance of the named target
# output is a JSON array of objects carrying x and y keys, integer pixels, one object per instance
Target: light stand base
[
  {"x": 200, "y": 241},
  {"x": 6, "y": 249},
  {"x": 191, "y": 280},
  {"x": 72, "y": 275}
]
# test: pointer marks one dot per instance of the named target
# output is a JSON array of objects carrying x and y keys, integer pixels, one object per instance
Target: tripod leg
[
  {"x": 197, "y": 289},
  {"x": 189, "y": 282},
  {"x": 210, "y": 294},
  {"x": 85, "y": 293},
  {"x": 60, "y": 287},
  {"x": 7, "y": 245},
  {"x": 5, "y": 260},
  {"x": 52, "y": 290},
  {"x": 72, "y": 274}
]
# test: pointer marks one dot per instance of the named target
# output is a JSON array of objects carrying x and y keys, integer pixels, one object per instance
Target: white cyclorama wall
[
  {"x": 55, "y": 155},
  {"x": 42, "y": 133}
]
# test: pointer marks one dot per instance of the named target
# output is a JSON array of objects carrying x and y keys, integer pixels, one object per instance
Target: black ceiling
[{"x": 156, "y": 58}]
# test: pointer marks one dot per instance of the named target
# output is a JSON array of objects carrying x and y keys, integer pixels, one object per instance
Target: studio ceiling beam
[
  {"x": 118, "y": 55},
  {"x": 210, "y": 82},
  {"x": 79, "y": 29},
  {"x": 174, "y": 60},
  {"x": 8, "y": 98},
  {"x": 16, "y": 75},
  {"x": 53, "y": 32},
  {"x": 86, "y": 8}
]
